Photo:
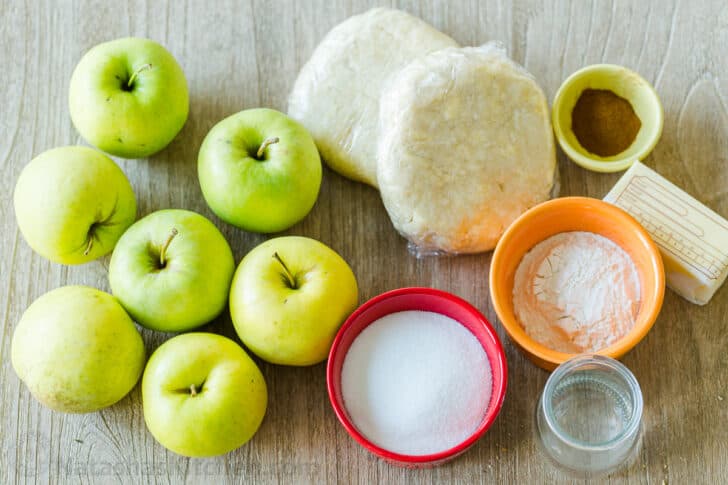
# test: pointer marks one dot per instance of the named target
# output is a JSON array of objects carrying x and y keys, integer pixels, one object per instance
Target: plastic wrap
[
  {"x": 336, "y": 95},
  {"x": 465, "y": 146}
]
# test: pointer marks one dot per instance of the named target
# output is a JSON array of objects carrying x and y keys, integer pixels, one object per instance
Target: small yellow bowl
[{"x": 624, "y": 83}]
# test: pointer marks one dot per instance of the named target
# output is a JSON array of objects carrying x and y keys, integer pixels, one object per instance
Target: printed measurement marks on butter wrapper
[{"x": 678, "y": 223}]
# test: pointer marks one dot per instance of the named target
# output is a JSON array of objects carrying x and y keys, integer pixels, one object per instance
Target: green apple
[
  {"x": 72, "y": 204},
  {"x": 289, "y": 297},
  {"x": 259, "y": 170},
  {"x": 202, "y": 395},
  {"x": 128, "y": 97},
  {"x": 171, "y": 270},
  {"x": 77, "y": 350}
]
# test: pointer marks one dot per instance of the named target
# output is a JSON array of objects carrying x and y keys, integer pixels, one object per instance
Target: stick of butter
[{"x": 693, "y": 239}]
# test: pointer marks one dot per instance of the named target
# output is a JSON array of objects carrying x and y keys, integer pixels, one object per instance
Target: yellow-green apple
[
  {"x": 72, "y": 204},
  {"x": 128, "y": 97},
  {"x": 171, "y": 270},
  {"x": 77, "y": 350},
  {"x": 289, "y": 297},
  {"x": 259, "y": 170},
  {"x": 202, "y": 395}
]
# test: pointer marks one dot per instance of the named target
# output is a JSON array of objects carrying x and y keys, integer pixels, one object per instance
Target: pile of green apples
[{"x": 77, "y": 348}]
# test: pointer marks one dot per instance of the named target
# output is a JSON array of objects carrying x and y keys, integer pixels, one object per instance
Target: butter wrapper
[{"x": 693, "y": 240}]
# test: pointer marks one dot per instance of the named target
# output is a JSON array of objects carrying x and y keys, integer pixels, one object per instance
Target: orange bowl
[{"x": 575, "y": 214}]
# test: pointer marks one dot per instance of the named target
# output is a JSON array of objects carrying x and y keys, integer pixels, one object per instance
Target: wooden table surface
[{"x": 239, "y": 55}]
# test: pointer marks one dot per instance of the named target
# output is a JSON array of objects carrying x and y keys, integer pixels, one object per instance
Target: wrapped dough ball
[
  {"x": 336, "y": 95},
  {"x": 465, "y": 147}
]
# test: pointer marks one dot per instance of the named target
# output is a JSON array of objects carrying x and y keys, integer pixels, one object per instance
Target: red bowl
[{"x": 425, "y": 299}]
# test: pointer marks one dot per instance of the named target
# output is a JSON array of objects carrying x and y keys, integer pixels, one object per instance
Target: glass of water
[{"x": 589, "y": 416}]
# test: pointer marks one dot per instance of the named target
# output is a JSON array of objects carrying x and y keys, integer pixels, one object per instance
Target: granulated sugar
[
  {"x": 416, "y": 382},
  {"x": 576, "y": 292}
]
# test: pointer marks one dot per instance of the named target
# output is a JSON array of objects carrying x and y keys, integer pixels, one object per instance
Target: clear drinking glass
[{"x": 589, "y": 416}]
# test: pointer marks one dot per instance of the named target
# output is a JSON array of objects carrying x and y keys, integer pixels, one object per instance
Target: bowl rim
[
  {"x": 497, "y": 396},
  {"x": 627, "y": 342},
  {"x": 594, "y": 164}
]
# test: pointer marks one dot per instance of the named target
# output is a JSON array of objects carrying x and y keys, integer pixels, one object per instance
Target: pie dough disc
[
  {"x": 336, "y": 95},
  {"x": 465, "y": 147}
]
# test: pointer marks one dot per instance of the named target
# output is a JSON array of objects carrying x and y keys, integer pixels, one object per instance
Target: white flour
[{"x": 576, "y": 292}]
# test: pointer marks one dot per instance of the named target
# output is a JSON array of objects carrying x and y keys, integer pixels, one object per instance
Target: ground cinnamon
[{"x": 604, "y": 123}]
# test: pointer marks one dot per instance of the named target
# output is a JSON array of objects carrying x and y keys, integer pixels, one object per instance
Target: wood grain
[{"x": 239, "y": 55}]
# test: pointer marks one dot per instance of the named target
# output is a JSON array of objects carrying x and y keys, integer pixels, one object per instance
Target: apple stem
[
  {"x": 193, "y": 390},
  {"x": 289, "y": 276},
  {"x": 163, "y": 249},
  {"x": 264, "y": 145},
  {"x": 134, "y": 75},
  {"x": 89, "y": 245}
]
